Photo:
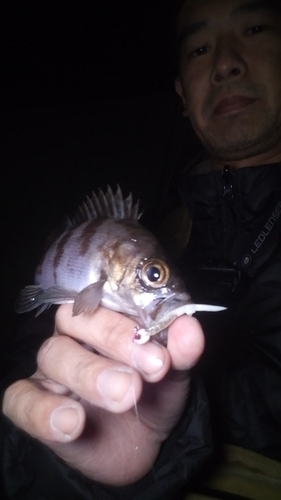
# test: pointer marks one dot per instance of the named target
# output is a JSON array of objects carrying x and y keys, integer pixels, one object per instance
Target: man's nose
[{"x": 228, "y": 64}]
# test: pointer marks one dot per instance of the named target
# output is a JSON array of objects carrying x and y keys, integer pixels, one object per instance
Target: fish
[{"x": 103, "y": 256}]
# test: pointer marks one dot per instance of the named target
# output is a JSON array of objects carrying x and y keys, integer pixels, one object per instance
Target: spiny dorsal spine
[{"x": 106, "y": 205}]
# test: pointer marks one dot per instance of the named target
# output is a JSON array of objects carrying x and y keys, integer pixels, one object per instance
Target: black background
[
  {"x": 75, "y": 51},
  {"x": 87, "y": 100}
]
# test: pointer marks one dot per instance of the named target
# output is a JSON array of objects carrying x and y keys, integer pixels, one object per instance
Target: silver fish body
[{"x": 105, "y": 257}]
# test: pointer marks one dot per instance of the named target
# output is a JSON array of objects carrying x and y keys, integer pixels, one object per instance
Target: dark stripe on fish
[
  {"x": 88, "y": 233},
  {"x": 60, "y": 252}
]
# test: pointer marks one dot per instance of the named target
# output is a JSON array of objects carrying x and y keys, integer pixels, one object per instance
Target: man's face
[{"x": 230, "y": 75}]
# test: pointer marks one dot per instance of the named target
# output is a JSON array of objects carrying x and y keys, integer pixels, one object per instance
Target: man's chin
[
  {"x": 234, "y": 142},
  {"x": 228, "y": 150}
]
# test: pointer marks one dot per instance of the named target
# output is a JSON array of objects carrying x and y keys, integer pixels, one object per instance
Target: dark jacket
[
  {"x": 30, "y": 471},
  {"x": 242, "y": 359},
  {"x": 234, "y": 258}
]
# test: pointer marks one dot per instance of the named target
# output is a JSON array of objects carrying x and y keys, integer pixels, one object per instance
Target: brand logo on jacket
[{"x": 269, "y": 225}]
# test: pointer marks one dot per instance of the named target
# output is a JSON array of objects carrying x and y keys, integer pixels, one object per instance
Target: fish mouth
[
  {"x": 232, "y": 103},
  {"x": 162, "y": 311},
  {"x": 164, "y": 305},
  {"x": 160, "y": 327}
]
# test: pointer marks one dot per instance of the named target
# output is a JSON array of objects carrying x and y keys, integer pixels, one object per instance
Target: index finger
[
  {"x": 102, "y": 328},
  {"x": 112, "y": 334}
]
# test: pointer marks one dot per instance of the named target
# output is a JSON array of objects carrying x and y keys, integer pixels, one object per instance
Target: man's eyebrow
[
  {"x": 191, "y": 29},
  {"x": 254, "y": 5}
]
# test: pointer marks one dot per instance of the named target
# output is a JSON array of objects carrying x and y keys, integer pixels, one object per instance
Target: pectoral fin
[{"x": 88, "y": 299}]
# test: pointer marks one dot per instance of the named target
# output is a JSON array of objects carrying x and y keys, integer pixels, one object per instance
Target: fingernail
[
  {"x": 65, "y": 421},
  {"x": 148, "y": 358},
  {"x": 114, "y": 383}
]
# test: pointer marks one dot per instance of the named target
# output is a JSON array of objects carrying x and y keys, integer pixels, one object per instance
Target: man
[
  {"x": 82, "y": 405},
  {"x": 230, "y": 79},
  {"x": 230, "y": 84}
]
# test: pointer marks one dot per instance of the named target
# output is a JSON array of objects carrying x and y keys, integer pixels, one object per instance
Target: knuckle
[
  {"x": 46, "y": 350},
  {"x": 18, "y": 403},
  {"x": 83, "y": 375},
  {"x": 10, "y": 396},
  {"x": 51, "y": 350}
]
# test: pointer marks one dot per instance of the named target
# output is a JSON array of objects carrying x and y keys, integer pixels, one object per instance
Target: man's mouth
[{"x": 232, "y": 104}]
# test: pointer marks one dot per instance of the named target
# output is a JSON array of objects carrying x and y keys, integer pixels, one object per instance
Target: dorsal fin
[{"x": 106, "y": 205}]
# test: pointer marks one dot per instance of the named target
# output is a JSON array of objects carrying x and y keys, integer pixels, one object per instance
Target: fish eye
[{"x": 153, "y": 273}]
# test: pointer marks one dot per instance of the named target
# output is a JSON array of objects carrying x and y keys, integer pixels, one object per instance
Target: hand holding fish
[
  {"x": 106, "y": 415},
  {"x": 103, "y": 397}
]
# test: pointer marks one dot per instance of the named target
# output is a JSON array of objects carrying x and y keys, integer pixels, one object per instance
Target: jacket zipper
[
  {"x": 228, "y": 191},
  {"x": 227, "y": 200}
]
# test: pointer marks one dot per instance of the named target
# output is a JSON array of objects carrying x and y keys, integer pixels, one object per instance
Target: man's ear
[{"x": 179, "y": 91}]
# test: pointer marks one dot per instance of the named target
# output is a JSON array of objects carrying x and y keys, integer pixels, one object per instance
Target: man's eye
[
  {"x": 254, "y": 30},
  {"x": 200, "y": 51}
]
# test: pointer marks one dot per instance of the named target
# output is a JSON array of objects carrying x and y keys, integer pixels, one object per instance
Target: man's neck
[{"x": 263, "y": 159}]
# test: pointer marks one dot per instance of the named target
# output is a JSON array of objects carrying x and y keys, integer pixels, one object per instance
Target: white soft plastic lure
[{"x": 103, "y": 256}]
